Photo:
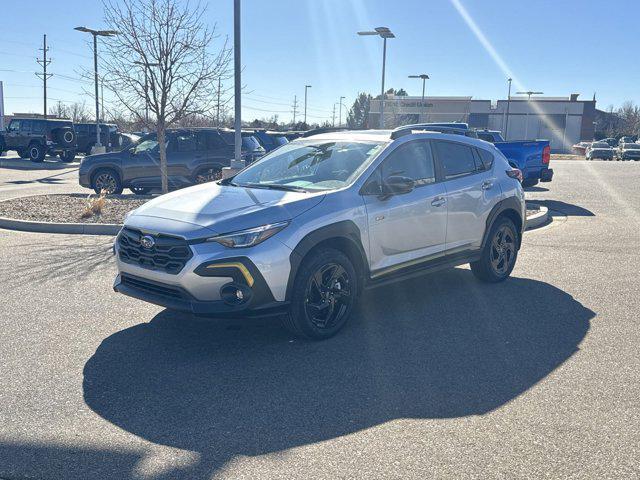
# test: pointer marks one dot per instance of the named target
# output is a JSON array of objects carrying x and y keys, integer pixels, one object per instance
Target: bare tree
[
  {"x": 161, "y": 60},
  {"x": 76, "y": 111}
]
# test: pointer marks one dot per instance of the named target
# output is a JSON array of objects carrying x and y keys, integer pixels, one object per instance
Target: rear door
[
  {"x": 409, "y": 227},
  {"x": 471, "y": 192}
]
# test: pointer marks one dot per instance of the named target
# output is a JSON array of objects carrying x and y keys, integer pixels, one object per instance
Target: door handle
[
  {"x": 438, "y": 201},
  {"x": 487, "y": 185}
]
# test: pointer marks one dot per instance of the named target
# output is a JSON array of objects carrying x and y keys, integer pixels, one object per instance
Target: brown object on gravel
[{"x": 69, "y": 207}]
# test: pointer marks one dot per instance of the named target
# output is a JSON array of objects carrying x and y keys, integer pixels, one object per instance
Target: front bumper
[{"x": 259, "y": 302}]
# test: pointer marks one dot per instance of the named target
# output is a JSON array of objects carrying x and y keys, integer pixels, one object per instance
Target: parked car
[
  {"x": 531, "y": 157},
  {"x": 628, "y": 151},
  {"x": 581, "y": 148},
  {"x": 292, "y": 135},
  {"x": 612, "y": 142},
  {"x": 268, "y": 140},
  {"x": 600, "y": 150},
  {"x": 627, "y": 139},
  {"x": 250, "y": 145},
  {"x": 34, "y": 138},
  {"x": 86, "y": 136},
  {"x": 194, "y": 155},
  {"x": 304, "y": 230}
]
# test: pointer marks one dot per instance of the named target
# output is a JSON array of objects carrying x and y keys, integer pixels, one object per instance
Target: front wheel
[
  {"x": 324, "y": 294},
  {"x": 68, "y": 156},
  {"x": 499, "y": 253},
  {"x": 106, "y": 181}
]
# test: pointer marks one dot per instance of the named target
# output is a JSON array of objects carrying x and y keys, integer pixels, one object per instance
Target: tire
[
  {"x": 36, "y": 152},
  {"x": 106, "y": 179},
  {"x": 65, "y": 137},
  {"x": 324, "y": 294},
  {"x": 490, "y": 268},
  {"x": 210, "y": 174},
  {"x": 68, "y": 156},
  {"x": 23, "y": 153},
  {"x": 140, "y": 190}
]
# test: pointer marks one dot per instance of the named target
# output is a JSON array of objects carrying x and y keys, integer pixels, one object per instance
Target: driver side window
[{"x": 413, "y": 160}]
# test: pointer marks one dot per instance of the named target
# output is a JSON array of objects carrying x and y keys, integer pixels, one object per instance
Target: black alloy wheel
[
  {"x": 106, "y": 181},
  {"x": 328, "y": 296},
  {"x": 503, "y": 248}
]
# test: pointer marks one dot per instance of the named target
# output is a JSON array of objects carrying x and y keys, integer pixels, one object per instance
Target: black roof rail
[
  {"x": 453, "y": 128},
  {"x": 318, "y": 131}
]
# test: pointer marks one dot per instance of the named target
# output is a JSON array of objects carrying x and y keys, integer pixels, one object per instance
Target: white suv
[{"x": 301, "y": 232}]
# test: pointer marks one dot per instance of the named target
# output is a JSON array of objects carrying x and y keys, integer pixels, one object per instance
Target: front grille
[
  {"x": 168, "y": 254},
  {"x": 153, "y": 288}
]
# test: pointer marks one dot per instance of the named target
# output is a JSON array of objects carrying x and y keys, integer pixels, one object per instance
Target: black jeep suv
[{"x": 34, "y": 138}]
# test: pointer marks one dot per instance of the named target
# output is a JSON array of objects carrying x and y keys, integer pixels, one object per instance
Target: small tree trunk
[{"x": 162, "y": 145}]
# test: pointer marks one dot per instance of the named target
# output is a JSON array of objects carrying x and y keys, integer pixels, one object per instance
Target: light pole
[
  {"x": 424, "y": 78},
  {"x": 506, "y": 126},
  {"x": 96, "y": 34},
  {"x": 146, "y": 65},
  {"x": 306, "y": 87},
  {"x": 384, "y": 33},
  {"x": 340, "y": 111},
  {"x": 237, "y": 87},
  {"x": 528, "y": 93}
]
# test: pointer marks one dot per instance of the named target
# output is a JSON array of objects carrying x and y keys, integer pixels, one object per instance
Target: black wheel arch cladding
[{"x": 344, "y": 235}]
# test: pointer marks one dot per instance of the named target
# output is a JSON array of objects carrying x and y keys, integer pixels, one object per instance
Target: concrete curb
[
  {"x": 69, "y": 228},
  {"x": 537, "y": 219}
]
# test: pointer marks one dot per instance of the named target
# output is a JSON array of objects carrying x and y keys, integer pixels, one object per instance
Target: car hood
[
  {"x": 199, "y": 210},
  {"x": 113, "y": 157}
]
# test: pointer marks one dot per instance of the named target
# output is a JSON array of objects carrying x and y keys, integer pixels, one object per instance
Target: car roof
[{"x": 385, "y": 136}]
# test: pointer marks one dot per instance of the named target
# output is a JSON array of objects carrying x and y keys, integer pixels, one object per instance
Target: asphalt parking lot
[{"x": 440, "y": 377}]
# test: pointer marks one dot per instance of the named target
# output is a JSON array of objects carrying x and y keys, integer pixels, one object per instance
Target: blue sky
[{"x": 558, "y": 47}]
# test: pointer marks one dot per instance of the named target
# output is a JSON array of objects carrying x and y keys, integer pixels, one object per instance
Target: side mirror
[{"x": 397, "y": 185}]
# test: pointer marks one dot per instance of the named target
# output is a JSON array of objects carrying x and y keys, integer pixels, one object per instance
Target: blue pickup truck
[{"x": 532, "y": 157}]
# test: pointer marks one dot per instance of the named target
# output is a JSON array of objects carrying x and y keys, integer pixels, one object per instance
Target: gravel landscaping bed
[{"x": 68, "y": 208}]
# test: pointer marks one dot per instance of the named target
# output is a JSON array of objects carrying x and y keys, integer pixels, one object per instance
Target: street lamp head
[
  {"x": 100, "y": 33},
  {"x": 307, "y": 86},
  {"x": 383, "y": 32},
  {"x": 423, "y": 76}
]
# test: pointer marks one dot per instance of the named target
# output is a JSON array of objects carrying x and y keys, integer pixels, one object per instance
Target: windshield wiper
[{"x": 272, "y": 186}]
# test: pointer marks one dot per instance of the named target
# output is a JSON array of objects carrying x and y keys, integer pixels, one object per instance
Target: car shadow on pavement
[
  {"x": 438, "y": 347},
  {"x": 566, "y": 209},
  {"x": 50, "y": 163}
]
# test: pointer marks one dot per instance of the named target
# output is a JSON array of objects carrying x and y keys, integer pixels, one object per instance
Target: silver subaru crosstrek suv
[{"x": 300, "y": 233}]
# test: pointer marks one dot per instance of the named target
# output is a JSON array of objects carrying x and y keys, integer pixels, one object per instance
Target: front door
[{"x": 410, "y": 227}]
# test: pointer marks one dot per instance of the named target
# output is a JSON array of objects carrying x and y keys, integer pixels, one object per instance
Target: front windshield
[{"x": 311, "y": 165}]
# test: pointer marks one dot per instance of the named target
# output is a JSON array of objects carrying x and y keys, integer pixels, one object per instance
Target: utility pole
[
  {"x": 44, "y": 75},
  {"x": 306, "y": 87},
  {"x": 333, "y": 116},
  {"x": 238, "y": 163},
  {"x": 340, "y": 114},
  {"x": 295, "y": 109}
]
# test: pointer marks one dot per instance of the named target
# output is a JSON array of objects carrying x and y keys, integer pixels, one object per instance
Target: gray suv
[{"x": 301, "y": 232}]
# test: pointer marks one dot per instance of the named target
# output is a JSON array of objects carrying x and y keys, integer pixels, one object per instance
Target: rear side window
[
  {"x": 485, "y": 159},
  {"x": 37, "y": 127},
  {"x": 456, "y": 159},
  {"x": 26, "y": 125},
  {"x": 413, "y": 160}
]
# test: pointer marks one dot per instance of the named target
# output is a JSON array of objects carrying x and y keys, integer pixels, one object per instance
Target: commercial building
[{"x": 561, "y": 120}]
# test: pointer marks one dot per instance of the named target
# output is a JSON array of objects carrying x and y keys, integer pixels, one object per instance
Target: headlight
[{"x": 249, "y": 237}]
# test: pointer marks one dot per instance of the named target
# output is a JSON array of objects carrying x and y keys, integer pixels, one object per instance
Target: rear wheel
[
  {"x": 499, "y": 253},
  {"x": 140, "y": 190},
  {"x": 36, "y": 152},
  {"x": 68, "y": 156},
  {"x": 106, "y": 180},
  {"x": 23, "y": 153},
  {"x": 324, "y": 294},
  {"x": 208, "y": 175}
]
